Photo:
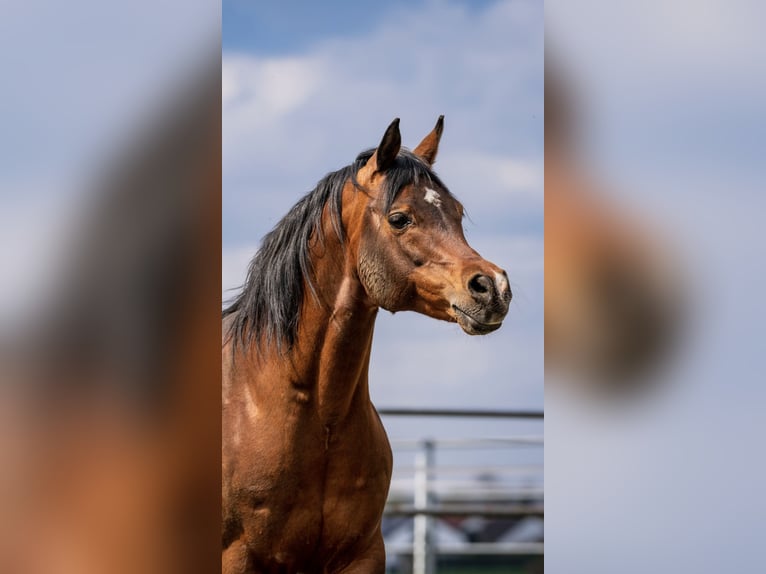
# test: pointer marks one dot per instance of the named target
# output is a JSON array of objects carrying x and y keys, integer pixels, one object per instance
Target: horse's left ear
[{"x": 428, "y": 148}]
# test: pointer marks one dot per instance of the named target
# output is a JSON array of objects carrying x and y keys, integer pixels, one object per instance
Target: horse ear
[
  {"x": 428, "y": 148},
  {"x": 384, "y": 156}
]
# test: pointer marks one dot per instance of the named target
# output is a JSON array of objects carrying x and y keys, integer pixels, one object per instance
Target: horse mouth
[{"x": 473, "y": 326}]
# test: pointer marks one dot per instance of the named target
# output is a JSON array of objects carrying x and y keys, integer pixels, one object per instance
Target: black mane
[{"x": 268, "y": 307}]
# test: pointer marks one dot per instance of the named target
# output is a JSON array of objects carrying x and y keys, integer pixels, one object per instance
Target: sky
[{"x": 275, "y": 28}]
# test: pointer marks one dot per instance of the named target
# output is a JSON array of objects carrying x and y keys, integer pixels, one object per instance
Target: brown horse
[
  {"x": 109, "y": 423},
  {"x": 613, "y": 304},
  {"x": 306, "y": 461}
]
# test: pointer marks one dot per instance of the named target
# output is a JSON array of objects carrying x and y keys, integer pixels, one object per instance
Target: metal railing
[{"x": 426, "y": 507}]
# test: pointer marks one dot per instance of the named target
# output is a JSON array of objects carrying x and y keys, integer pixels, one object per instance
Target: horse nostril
[{"x": 480, "y": 285}]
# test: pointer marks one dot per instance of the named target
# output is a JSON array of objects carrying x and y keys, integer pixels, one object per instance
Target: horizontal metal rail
[
  {"x": 425, "y": 508},
  {"x": 478, "y": 548},
  {"x": 494, "y": 511},
  {"x": 497, "y": 472},
  {"x": 515, "y": 414},
  {"x": 462, "y": 470},
  {"x": 465, "y": 493},
  {"x": 473, "y": 443}
]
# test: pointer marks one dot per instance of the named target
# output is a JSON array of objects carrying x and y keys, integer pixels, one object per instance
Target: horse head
[{"x": 411, "y": 253}]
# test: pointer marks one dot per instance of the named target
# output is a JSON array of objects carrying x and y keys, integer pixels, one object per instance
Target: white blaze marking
[{"x": 433, "y": 197}]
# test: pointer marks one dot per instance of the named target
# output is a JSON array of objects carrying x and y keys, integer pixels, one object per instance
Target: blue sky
[
  {"x": 302, "y": 96},
  {"x": 289, "y": 27}
]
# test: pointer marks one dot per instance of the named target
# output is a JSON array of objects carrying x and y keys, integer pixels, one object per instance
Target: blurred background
[
  {"x": 654, "y": 280},
  {"x": 306, "y": 87},
  {"x": 109, "y": 315}
]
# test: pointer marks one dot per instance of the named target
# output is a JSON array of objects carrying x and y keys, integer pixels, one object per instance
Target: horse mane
[{"x": 267, "y": 309}]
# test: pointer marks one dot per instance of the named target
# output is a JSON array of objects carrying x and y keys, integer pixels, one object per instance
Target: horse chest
[{"x": 301, "y": 494}]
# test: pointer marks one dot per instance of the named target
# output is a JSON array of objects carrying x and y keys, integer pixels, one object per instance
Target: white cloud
[
  {"x": 497, "y": 176},
  {"x": 259, "y": 90}
]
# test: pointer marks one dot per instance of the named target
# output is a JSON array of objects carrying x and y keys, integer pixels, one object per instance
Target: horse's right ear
[{"x": 384, "y": 156}]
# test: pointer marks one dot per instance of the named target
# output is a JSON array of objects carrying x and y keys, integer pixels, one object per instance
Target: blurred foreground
[
  {"x": 109, "y": 430},
  {"x": 613, "y": 280}
]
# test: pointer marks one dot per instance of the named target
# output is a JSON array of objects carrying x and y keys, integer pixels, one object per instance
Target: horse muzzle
[{"x": 484, "y": 305}]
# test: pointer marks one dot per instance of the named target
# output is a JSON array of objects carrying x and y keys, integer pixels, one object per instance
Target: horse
[
  {"x": 613, "y": 298},
  {"x": 306, "y": 463},
  {"x": 109, "y": 432}
]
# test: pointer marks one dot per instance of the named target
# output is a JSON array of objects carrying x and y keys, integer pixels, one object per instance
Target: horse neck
[{"x": 331, "y": 354}]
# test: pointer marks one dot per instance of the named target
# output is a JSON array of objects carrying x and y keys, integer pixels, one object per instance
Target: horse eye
[{"x": 398, "y": 220}]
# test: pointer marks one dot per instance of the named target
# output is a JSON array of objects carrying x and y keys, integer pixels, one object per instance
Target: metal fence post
[{"x": 423, "y": 557}]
